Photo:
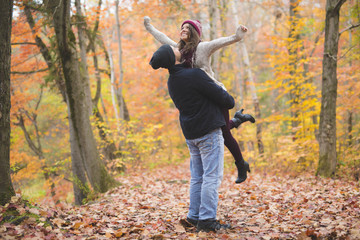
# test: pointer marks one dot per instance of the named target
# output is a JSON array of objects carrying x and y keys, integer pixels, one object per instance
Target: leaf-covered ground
[{"x": 152, "y": 205}]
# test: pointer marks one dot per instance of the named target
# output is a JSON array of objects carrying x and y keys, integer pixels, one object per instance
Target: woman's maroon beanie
[{"x": 196, "y": 24}]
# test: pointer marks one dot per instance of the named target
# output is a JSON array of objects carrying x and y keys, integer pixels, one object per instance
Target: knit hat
[
  {"x": 164, "y": 57},
  {"x": 196, "y": 24}
]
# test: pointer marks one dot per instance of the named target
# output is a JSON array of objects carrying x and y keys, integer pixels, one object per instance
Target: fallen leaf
[{"x": 179, "y": 228}]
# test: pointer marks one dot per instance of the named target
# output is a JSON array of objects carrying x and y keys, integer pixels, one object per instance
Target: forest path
[{"x": 151, "y": 205}]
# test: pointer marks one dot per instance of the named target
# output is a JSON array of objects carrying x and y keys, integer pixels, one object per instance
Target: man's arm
[
  {"x": 207, "y": 87},
  {"x": 159, "y": 36}
]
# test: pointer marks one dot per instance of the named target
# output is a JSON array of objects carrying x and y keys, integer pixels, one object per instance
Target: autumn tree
[
  {"x": 55, "y": 73},
  {"x": 119, "y": 86},
  {"x": 249, "y": 75},
  {"x": 77, "y": 91},
  {"x": 95, "y": 41},
  {"x": 327, "y": 126},
  {"x": 6, "y": 187}
]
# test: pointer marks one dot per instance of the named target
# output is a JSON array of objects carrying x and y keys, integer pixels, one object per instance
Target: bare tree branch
[
  {"x": 98, "y": 9},
  {"x": 24, "y": 43},
  {"x": 349, "y": 28},
  {"x": 342, "y": 56},
  {"x": 30, "y": 72},
  {"x": 338, "y": 5},
  {"x": 25, "y": 60},
  {"x": 36, "y": 149},
  {"x": 317, "y": 38},
  {"x": 39, "y": 100}
]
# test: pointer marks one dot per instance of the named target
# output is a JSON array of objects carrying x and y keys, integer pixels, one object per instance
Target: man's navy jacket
[{"x": 199, "y": 100}]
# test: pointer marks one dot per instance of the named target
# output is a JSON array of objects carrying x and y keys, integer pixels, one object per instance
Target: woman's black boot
[
  {"x": 242, "y": 168},
  {"x": 242, "y": 118}
]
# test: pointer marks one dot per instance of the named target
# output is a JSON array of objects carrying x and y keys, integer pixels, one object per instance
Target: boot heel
[{"x": 242, "y": 172}]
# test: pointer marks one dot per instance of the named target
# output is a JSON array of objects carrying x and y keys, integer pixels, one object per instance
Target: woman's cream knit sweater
[{"x": 205, "y": 48}]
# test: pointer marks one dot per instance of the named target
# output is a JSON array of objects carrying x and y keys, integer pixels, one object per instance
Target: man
[{"x": 199, "y": 101}]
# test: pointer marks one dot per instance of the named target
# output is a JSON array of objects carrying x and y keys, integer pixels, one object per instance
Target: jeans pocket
[
  {"x": 210, "y": 140},
  {"x": 206, "y": 144}
]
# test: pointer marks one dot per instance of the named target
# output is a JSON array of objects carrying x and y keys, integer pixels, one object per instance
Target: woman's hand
[
  {"x": 147, "y": 20},
  {"x": 240, "y": 31}
]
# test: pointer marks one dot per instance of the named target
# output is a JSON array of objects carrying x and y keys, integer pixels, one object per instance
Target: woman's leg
[
  {"x": 233, "y": 146},
  {"x": 229, "y": 141}
]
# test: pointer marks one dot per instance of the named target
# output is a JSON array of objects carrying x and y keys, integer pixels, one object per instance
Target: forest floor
[{"x": 153, "y": 205}]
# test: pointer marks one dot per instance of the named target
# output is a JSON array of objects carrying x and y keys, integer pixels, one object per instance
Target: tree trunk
[
  {"x": 327, "y": 126},
  {"x": 81, "y": 26},
  {"x": 110, "y": 148},
  {"x": 80, "y": 185},
  {"x": 239, "y": 81},
  {"x": 223, "y": 11},
  {"x": 213, "y": 16},
  {"x": 110, "y": 151},
  {"x": 88, "y": 154},
  {"x": 119, "y": 86},
  {"x": 294, "y": 37},
  {"x": 254, "y": 97},
  {"x": 78, "y": 169},
  {"x": 350, "y": 113},
  {"x": 124, "y": 113},
  {"x": 349, "y": 128},
  {"x": 6, "y": 187},
  {"x": 113, "y": 86}
]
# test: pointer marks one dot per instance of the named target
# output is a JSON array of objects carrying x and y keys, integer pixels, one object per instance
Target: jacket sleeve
[
  {"x": 159, "y": 36},
  {"x": 207, "y": 87}
]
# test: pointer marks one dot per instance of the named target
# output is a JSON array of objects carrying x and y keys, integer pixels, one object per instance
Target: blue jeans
[{"x": 207, "y": 167}]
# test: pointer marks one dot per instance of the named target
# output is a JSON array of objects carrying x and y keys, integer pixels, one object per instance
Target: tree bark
[
  {"x": 6, "y": 187},
  {"x": 110, "y": 147},
  {"x": 119, "y": 86},
  {"x": 350, "y": 112},
  {"x": 327, "y": 126},
  {"x": 110, "y": 150},
  {"x": 294, "y": 37},
  {"x": 54, "y": 70},
  {"x": 81, "y": 26},
  {"x": 114, "y": 90},
  {"x": 88, "y": 154},
  {"x": 113, "y": 87}
]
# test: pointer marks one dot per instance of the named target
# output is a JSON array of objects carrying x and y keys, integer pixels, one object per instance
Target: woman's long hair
[{"x": 188, "y": 49}]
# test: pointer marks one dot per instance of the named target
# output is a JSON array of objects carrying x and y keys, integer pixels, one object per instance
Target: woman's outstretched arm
[
  {"x": 159, "y": 36},
  {"x": 214, "y": 45}
]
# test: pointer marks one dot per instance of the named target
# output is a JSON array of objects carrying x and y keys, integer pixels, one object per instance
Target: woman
[{"x": 196, "y": 53}]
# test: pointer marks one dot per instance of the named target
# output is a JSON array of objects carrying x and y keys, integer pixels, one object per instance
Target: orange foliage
[{"x": 153, "y": 135}]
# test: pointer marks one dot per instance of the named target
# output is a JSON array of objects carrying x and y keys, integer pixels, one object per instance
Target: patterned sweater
[{"x": 203, "y": 51}]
